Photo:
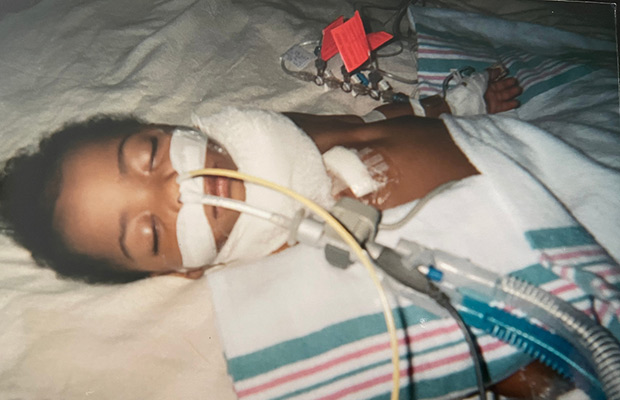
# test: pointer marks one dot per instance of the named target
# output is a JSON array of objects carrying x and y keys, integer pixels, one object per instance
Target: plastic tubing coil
[{"x": 591, "y": 339}]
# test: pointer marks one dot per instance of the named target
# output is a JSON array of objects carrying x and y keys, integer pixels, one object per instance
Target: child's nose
[{"x": 170, "y": 192}]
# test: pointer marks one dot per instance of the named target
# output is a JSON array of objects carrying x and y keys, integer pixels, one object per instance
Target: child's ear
[{"x": 191, "y": 274}]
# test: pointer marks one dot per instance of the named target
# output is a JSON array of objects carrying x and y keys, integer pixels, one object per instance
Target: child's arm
[
  {"x": 420, "y": 152},
  {"x": 500, "y": 96}
]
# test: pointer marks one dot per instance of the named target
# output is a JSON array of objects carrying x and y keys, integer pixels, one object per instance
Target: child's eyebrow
[{"x": 121, "y": 237}]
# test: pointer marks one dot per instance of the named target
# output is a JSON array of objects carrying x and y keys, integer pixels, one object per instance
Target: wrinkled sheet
[{"x": 64, "y": 60}]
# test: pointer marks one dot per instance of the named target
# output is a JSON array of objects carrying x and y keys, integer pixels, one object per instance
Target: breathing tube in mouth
[
  {"x": 260, "y": 143},
  {"x": 188, "y": 149},
  {"x": 197, "y": 245}
]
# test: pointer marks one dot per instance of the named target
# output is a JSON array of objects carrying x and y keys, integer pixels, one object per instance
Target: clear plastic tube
[{"x": 592, "y": 340}]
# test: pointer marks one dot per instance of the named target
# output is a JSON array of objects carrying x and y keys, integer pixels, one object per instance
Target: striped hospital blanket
[
  {"x": 351, "y": 359},
  {"x": 537, "y": 69}
]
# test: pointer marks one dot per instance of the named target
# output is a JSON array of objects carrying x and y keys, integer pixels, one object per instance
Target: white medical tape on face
[
  {"x": 270, "y": 146},
  {"x": 194, "y": 234}
]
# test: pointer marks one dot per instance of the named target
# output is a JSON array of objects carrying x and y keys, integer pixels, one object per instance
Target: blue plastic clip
[
  {"x": 434, "y": 274},
  {"x": 362, "y": 78}
]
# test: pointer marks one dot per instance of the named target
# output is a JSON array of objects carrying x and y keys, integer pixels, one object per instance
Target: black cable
[
  {"x": 402, "y": 10},
  {"x": 378, "y": 54},
  {"x": 391, "y": 262},
  {"x": 469, "y": 338}
]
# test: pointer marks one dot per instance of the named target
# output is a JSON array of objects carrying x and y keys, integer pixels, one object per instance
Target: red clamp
[{"x": 351, "y": 41}]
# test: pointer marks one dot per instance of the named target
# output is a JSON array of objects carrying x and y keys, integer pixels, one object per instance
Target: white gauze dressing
[
  {"x": 194, "y": 235},
  {"x": 467, "y": 97},
  {"x": 346, "y": 165},
  {"x": 270, "y": 146},
  {"x": 464, "y": 99}
]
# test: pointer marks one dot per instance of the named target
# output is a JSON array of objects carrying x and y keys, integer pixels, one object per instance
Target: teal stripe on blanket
[
  {"x": 560, "y": 79},
  {"x": 347, "y": 332},
  {"x": 456, "y": 382},
  {"x": 537, "y": 73},
  {"x": 314, "y": 344},
  {"x": 535, "y": 274},
  {"x": 433, "y": 66},
  {"x": 559, "y": 237},
  {"x": 337, "y": 378},
  {"x": 459, "y": 381}
]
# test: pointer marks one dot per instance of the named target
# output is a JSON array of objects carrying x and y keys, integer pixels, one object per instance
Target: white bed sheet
[{"x": 63, "y": 60}]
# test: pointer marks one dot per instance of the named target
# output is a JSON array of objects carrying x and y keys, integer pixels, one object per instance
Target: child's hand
[{"x": 501, "y": 92}]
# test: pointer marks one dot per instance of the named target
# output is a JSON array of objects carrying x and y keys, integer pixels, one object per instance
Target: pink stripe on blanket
[
  {"x": 510, "y": 58},
  {"x": 575, "y": 254},
  {"x": 562, "y": 289},
  {"x": 540, "y": 68},
  {"x": 538, "y": 78},
  {"x": 442, "y": 363},
  {"x": 318, "y": 368},
  {"x": 342, "y": 359},
  {"x": 431, "y": 80},
  {"x": 379, "y": 380},
  {"x": 605, "y": 272},
  {"x": 456, "y": 53}
]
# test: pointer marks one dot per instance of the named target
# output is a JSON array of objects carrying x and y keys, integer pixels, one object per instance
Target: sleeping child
[{"x": 100, "y": 200}]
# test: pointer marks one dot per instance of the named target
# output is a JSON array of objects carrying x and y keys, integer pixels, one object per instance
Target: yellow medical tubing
[{"x": 348, "y": 239}]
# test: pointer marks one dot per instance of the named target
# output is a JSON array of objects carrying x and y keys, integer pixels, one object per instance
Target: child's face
[{"x": 119, "y": 201}]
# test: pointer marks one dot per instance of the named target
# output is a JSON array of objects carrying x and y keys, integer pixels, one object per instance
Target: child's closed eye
[
  {"x": 154, "y": 229},
  {"x": 154, "y": 147}
]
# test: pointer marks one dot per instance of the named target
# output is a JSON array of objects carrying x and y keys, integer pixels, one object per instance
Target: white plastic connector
[
  {"x": 310, "y": 232},
  {"x": 243, "y": 207}
]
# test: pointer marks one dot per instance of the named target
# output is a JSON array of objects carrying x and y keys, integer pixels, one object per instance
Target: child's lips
[
  {"x": 222, "y": 187},
  {"x": 218, "y": 186}
]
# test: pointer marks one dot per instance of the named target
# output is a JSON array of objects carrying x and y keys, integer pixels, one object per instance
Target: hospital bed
[{"x": 162, "y": 60}]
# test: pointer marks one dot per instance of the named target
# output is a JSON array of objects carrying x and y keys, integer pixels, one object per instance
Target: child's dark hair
[{"x": 29, "y": 188}]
